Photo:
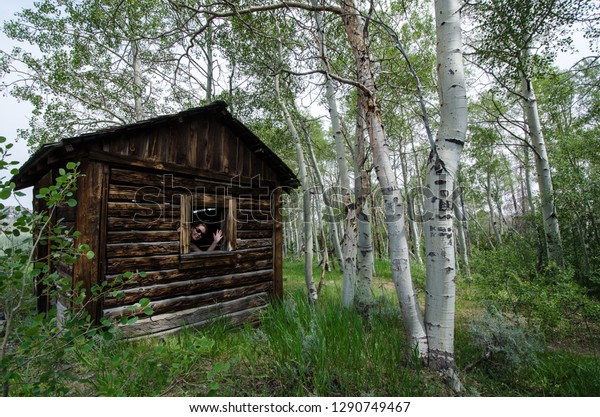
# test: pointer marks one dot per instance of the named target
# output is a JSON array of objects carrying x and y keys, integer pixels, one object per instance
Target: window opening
[{"x": 207, "y": 224}]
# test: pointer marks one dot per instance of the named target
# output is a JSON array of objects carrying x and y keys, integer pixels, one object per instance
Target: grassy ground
[{"x": 330, "y": 351}]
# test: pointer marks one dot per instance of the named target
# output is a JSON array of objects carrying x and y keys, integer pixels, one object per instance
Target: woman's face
[{"x": 198, "y": 231}]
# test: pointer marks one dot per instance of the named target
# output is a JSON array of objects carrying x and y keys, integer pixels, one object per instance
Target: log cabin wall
[
  {"x": 183, "y": 288},
  {"x": 143, "y": 224},
  {"x": 129, "y": 213}
]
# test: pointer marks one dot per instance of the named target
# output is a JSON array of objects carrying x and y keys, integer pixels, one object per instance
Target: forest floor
[{"x": 296, "y": 350}]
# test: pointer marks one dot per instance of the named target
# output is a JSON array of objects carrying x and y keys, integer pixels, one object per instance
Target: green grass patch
[{"x": 298, "y": 350}]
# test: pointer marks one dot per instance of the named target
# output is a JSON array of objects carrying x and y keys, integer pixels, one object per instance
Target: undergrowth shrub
[
  {"x": 549, "y": 299},
  {"x": 37, "y": 351},
  {"x": 506, "y": 341}
]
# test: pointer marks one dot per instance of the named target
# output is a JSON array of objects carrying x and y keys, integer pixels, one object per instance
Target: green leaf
[
  {"x": 90, "y": 255},
  {"x": 144, "y": 302},
  {"x": 5, "y": 193},
  {"x": 72, "y": 202}
]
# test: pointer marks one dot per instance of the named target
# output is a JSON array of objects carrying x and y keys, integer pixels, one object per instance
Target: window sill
[{"x": 204, "y": 259}]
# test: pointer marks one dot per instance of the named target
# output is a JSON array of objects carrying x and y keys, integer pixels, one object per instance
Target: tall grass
[{"x": 298, "y": 350}]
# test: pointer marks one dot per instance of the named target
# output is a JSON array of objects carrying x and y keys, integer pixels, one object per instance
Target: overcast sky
[{"x": 14, "y": 115}]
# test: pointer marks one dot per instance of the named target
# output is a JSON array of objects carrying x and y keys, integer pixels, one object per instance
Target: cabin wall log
[
  {"x": 190, "y": 301},
  {"x": 188, "y": 287},
  {"x": 143, "y": 234},
  {"x": 91, "y": 199},
  {"x": 233, "y": 312},
  {"x": 129, "y": 213}
]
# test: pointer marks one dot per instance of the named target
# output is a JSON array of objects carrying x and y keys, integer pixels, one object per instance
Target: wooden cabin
[{"x": 141, "y": 187}]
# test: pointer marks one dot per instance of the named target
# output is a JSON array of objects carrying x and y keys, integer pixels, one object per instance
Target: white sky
[{"x": 14, "y": 115}]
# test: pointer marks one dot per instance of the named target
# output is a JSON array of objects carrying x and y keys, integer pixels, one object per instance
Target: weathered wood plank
[
  {"x": 143, "y": 236},
  {"x": 120, "y": 250},
  {"x": 145, "y": 263},
  {"x": 116, "y": 224},
  {"x": 245, "y": 203},
  {"x": 255, "y": 225},
  {"x": 185, "y": 224},
  {"x": 207, "y": 259},
  {"x": 234, "y": 312},
  {"x": 188, "y": 180},
  {"x": 223, "y": 258},
  {"x": 254, "y": 234},
  {"x": 203, "y": 140},
  {"x": 254, "y": 243},
  {"x": 190, "y": 301},
  {"x": 231, "y": 229},
  {"x": 90, "y": 198},
  {"x": 188, "y": 287},
  {"x": 277, "y": 247},
  {"x": 191, "y": 145},
  {"x": 144, "y": 194},
  {"x": 146, "y": 211},
  {"x": 66, "y": 213},
  {"x": 174, "y": 275}
]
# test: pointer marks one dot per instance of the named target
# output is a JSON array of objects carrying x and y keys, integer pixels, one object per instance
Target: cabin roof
[{"x": 35, "y": 166}]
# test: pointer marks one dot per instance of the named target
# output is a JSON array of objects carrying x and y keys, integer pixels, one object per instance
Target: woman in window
[{"x": 198, "y": 232}]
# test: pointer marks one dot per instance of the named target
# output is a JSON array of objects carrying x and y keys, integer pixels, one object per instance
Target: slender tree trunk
[
  {"x": 414, "y": 233},
  {"x": 209, "y": 62},
  {"x": 332, "y": 222},
  {"x": 490, "y": 202},
  {"x": 306, "y": 203},
  {"x": 392, "y": 195},
  {"x": 441, "y": 175},
  {"x": 346, "y": 250},
  {"x": 554, "y": 246},
  {"x": 299, "y": 244},
  {"x": 137, "y": 81},
  {"x": 363, "y": 299},
  {"x": 461, "y": 219}
]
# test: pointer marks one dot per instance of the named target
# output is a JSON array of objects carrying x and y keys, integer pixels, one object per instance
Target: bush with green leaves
[
  {"x": 505, "y": 340},
  {"x": 36, "y": 348},
  {"x": 549, "y": 299}
]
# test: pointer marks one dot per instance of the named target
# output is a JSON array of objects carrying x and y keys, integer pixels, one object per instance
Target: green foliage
[
  {"x": 37, "y": 349},
  {"x": 83, "y": 77},
  {"x": 507, "y": 341},
  {"x": 179, "y": 366},
  {"x": 333, "y": 351},
  {"x": 549, "y": 299},
  {"x": 506, "y": 28},
  {"x": 570, "y": 114}
]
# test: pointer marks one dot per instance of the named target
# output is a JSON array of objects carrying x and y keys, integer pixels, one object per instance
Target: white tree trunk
[
  {"x": 306, "y": 203},
  {"x": 414, "y": 232},
  {"x": 550, "y": 219},
  {"x": 363, "y": 299},
  {"x": 493, "y": 223},
  {"x": 460, "y": 229},
  {"x": 347, "y": 253},
  {"x": 392, "y": 195},
  {"x": 137, "y": 81},
  {"x": 441, "y": 176}
]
